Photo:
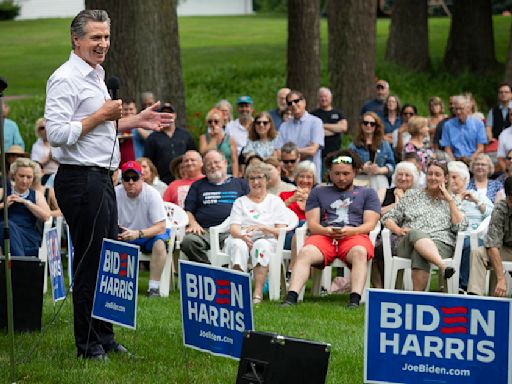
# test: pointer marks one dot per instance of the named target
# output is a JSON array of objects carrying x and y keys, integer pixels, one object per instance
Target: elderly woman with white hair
[
  {"x": 482, "y": 168},
  {"x": 405, "y": 177},
  {"x": 476, "y": 206},
  {"x": 26, "y": 206},
  {"x": 255, "y": 220},
  {"x": 304, "y": 176}
]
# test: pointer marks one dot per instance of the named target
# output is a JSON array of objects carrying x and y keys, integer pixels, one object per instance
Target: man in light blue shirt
[
  {"x": 304, "y": 129},
  {"x": 463, "y": 136},
  {"x": 12, "y": 134}
]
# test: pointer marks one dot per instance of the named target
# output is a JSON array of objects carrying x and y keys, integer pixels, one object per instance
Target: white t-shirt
[
  {"x": 269, "y": 212},
  {"x": 141, "y": 212},
  {"x": 238, "y": 132}
]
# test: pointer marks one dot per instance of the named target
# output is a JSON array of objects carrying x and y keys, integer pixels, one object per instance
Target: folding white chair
[
  {"x": 218, "y": 256},
  {"x": 177, "y": 219},
  {"x": 274, "y": 268},
  {"x": 322, "y": 277},
  {"x": 393, "y": 264}
]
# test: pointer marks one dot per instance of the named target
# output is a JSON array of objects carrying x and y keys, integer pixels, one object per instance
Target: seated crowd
[{"x": 423, "y": 178}]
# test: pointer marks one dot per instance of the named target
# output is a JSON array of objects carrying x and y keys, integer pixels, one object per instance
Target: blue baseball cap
[{"x": 244, "y": 100}]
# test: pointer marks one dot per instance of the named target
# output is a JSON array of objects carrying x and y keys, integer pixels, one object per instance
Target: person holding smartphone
[{"x": 339, "y": 217}]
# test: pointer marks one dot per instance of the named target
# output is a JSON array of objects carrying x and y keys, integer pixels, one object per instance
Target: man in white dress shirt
[{"x": 80, "y": 125}]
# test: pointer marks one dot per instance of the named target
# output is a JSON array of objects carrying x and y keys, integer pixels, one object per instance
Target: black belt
[{"x": 84, "y": 168}]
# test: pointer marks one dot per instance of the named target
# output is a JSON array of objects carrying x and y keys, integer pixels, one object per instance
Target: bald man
[
  {"x": 177, "y": 191},
  {"x": 281, "y": 107}
]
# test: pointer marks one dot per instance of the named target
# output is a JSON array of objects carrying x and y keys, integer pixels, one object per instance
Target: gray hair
[
  {"x": 306, "y": 166},
  {"x": 483, "y": 156},
  {"x": 461, "y": 99},
  {"x": 22, "y": 162},
  {"x": 147, "y": 95},
  {"x": 324, "y": 89},
  {"x": 410, "y": 168},
  {"x": 80, "y": 21},
  {"x": 258, "y": 167},
  {"x": 289, "y": 147},
  {"x": 224, "y": 103},
  {"x": 461, "y": 169}
]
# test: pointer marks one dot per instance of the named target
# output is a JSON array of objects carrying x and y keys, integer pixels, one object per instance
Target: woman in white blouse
[{"x": 254, "y": 226}]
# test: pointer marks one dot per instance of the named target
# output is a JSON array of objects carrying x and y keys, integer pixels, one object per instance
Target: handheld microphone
[{"x": 113, "y": 84}]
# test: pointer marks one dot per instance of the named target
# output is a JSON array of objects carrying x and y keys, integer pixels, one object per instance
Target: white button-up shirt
[{"x": 73, "y": 92}]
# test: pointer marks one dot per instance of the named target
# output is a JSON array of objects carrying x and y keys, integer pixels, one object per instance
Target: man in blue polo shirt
[
  {"x": 208, "y": 203},
  {"x": 463, "y": 136},
  {"x": 304, "y": 129}
]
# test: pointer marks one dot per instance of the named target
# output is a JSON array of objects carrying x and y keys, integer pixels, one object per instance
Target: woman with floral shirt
[{"x": 427, "y": 221}]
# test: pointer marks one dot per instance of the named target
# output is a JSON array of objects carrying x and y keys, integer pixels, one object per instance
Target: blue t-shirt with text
[{"x": 211, "y": 203}]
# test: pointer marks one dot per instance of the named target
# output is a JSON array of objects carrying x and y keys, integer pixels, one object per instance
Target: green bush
[{"x": 9, "y": 10}]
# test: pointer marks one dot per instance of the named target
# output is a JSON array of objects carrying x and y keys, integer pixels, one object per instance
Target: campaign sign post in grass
[
  {"x": 420, "y": 337},
  {"x": 115, "y": 299},
  {"x": 216, "y": 308},
  {"x": 70, "y": 259},
  {"x": 55, "y": 265}
]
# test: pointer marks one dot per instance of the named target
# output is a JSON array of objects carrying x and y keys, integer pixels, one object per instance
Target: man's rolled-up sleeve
[{"x": 61, "y": 103}]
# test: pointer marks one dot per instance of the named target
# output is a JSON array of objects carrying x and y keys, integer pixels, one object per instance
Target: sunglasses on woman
[{"x": 370, "y": 123}]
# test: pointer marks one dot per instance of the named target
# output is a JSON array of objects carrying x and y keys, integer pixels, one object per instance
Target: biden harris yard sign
[
  {"x": 115, "y": 299},
  {"x": 216, "y": 308},
  {"x": 437, "y": 338},
  {"x": 55, "y": 265}
]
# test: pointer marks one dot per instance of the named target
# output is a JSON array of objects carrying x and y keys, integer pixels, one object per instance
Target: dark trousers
[{"x": 82, "y": 193}]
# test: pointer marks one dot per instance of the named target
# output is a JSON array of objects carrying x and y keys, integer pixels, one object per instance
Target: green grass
[
  {"x": 49, "y": 357},
  {"x": 224, "y": 57}
]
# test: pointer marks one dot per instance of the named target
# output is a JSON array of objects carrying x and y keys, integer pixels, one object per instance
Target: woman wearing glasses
[
  {"x": 427, "y": 220},
  {"x": 375, "y": 153},
  {"x": 216, "y": 138},
  {"x": 255, "y": 220},
  {"x": 401, "y": 136},
  {"x": 262, "y": 137},
  {"x": 482, "y": 168}
]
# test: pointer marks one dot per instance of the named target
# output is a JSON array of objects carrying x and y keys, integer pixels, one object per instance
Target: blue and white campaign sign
[
  {"x": 115, "y": 299},
  {"x": 421, "y": 337},
  {"x": 216, "y": 308},
  {"x": 55, "y": 265}
]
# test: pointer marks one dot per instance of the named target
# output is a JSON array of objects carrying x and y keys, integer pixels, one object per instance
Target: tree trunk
[
  {"x": 351, "y": 25},
  {"x": 508, "y": 68},
  {"x": 408, "y": 35},
  {"x": 471, "y": 40},
  {"x": 304, "y": 48},
  {"x": 145, "y": 50}
]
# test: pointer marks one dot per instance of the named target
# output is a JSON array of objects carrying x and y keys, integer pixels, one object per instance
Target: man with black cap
[
  {"x": 498, "y": 248},
  {"x": 142, "y": 216},
  {"x": 162, "y": 147}
]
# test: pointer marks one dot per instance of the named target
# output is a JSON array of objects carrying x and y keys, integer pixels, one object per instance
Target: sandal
[{"x": 257, "y": 299}]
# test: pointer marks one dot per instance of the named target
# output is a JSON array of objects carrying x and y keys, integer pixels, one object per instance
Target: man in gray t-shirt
[{"x": 339, "y": 218}]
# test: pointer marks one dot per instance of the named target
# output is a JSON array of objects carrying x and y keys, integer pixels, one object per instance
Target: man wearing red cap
[{"x": 142, "y": 216}]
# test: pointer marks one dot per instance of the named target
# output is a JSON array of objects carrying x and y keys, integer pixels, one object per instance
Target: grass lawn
[
  {"x": 224, "y": 57},
  {"x": 49, "y": 357}
]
